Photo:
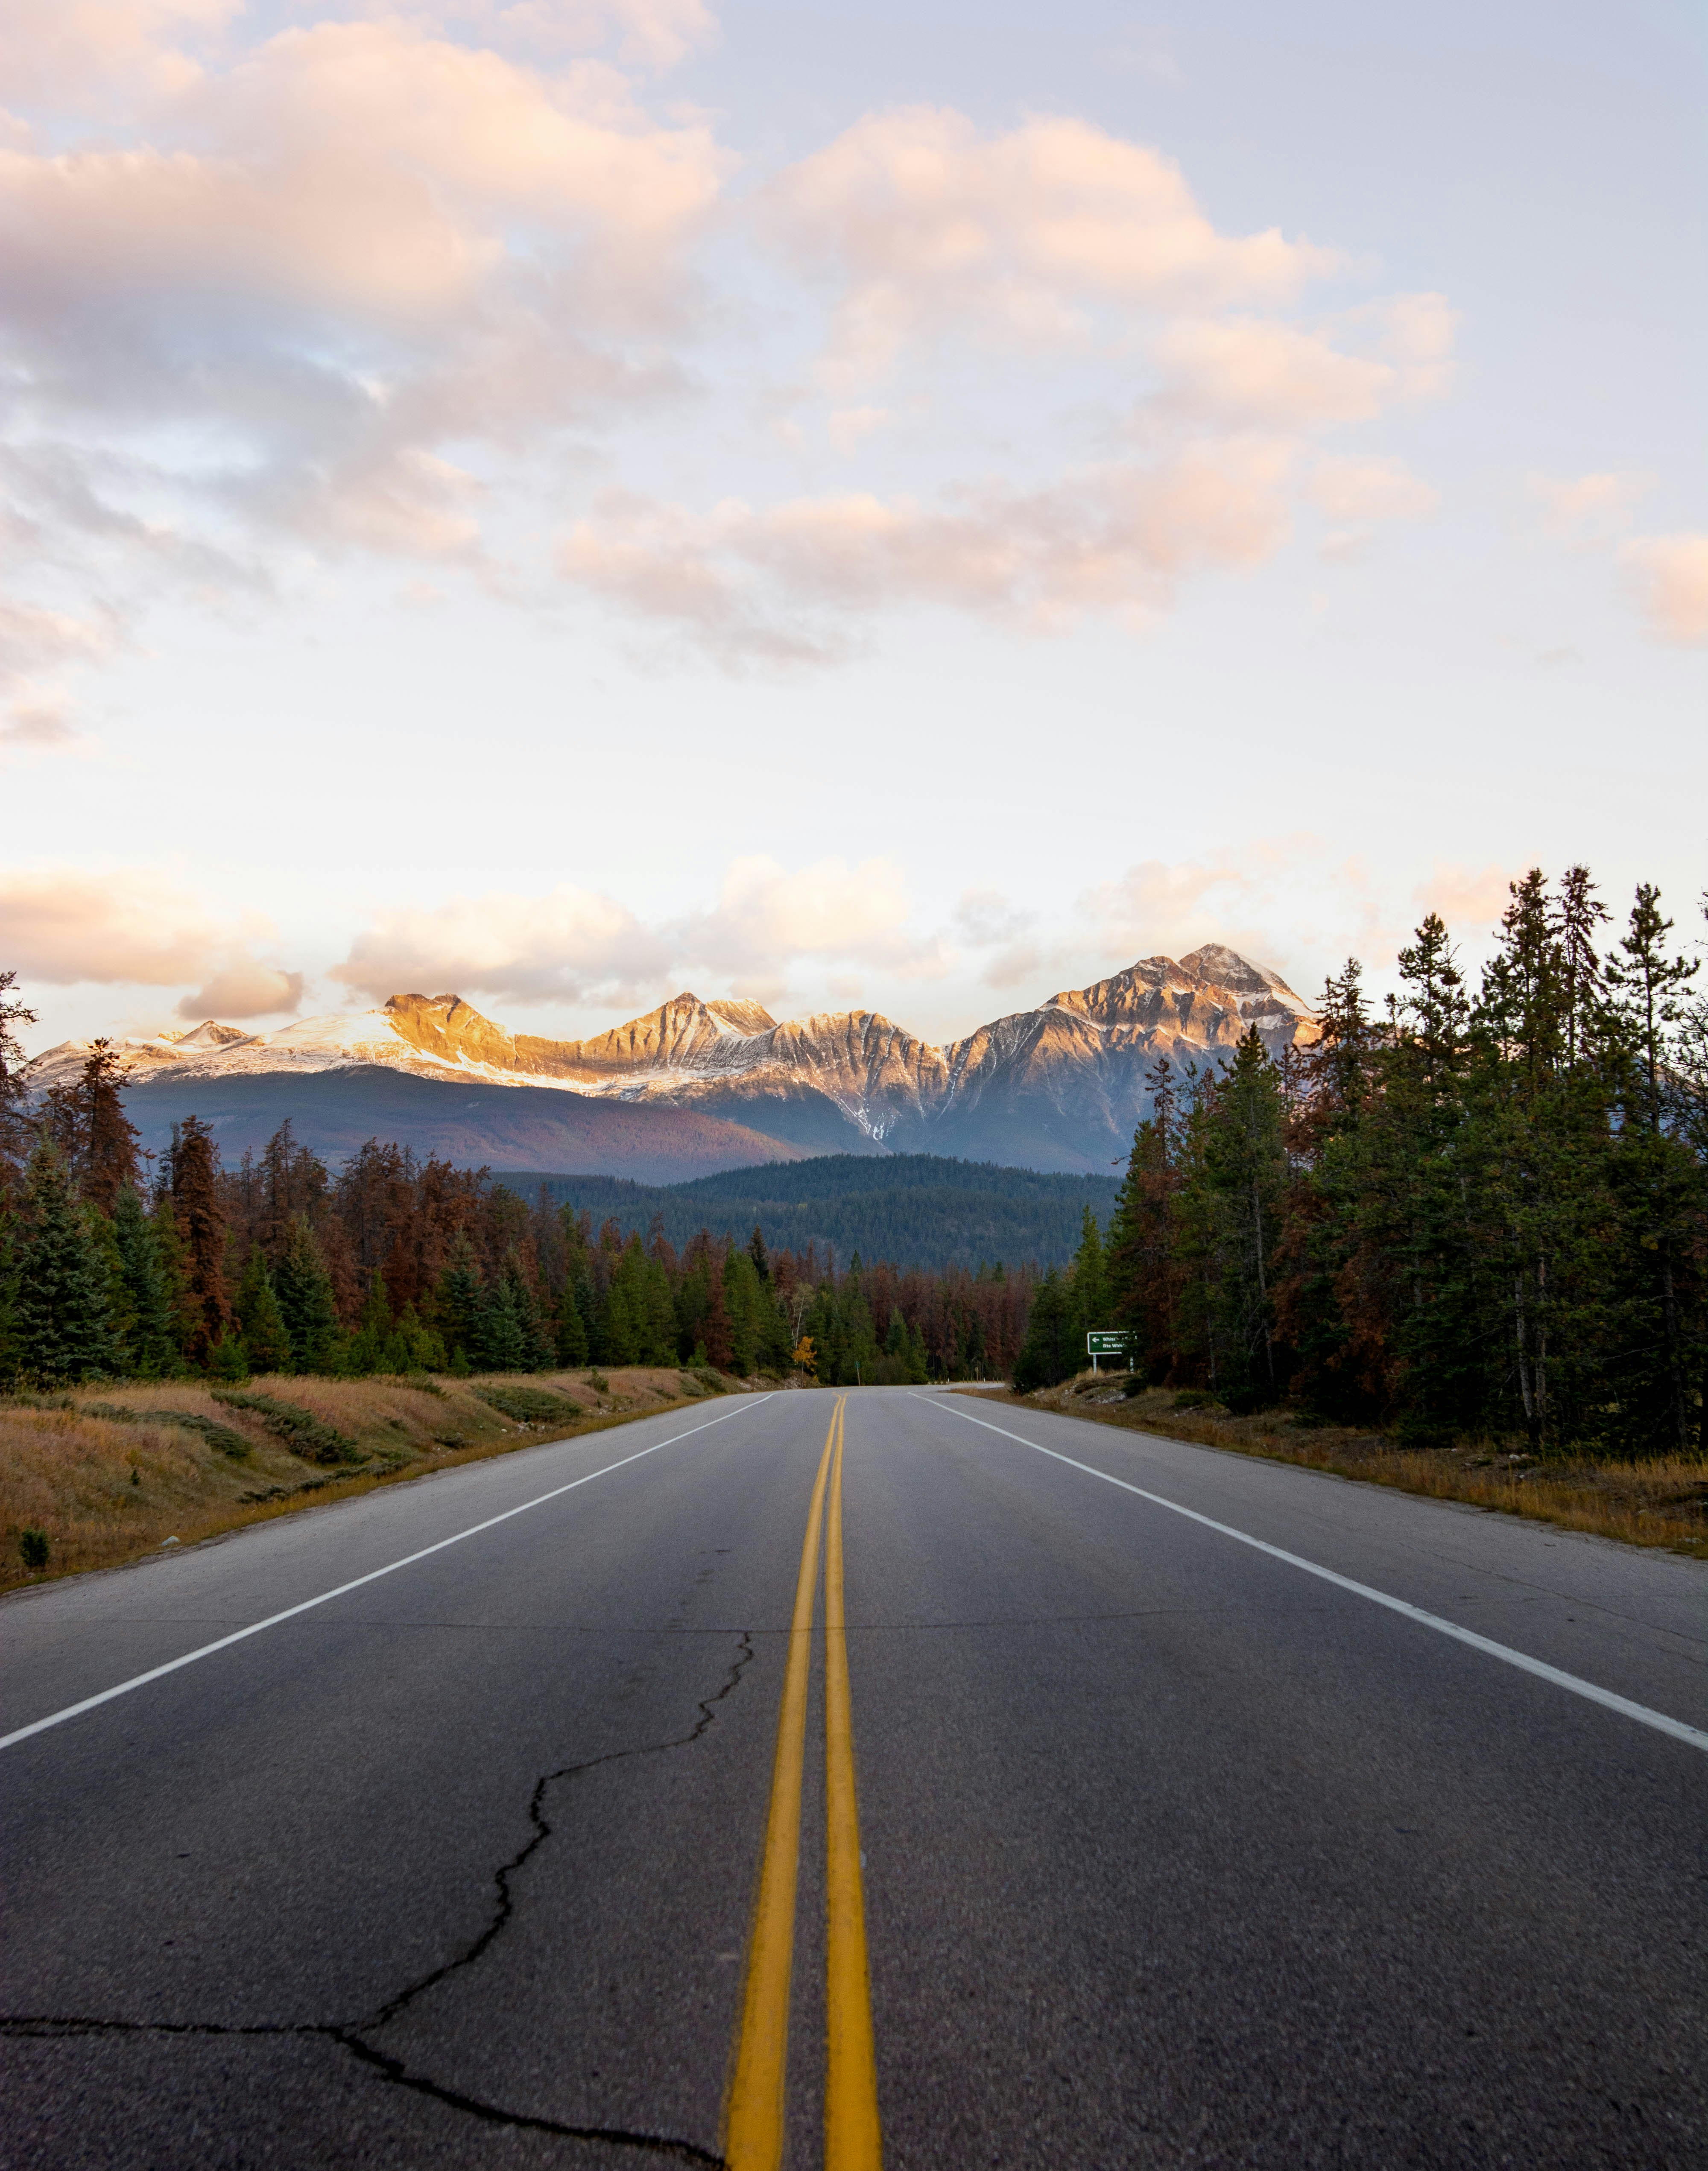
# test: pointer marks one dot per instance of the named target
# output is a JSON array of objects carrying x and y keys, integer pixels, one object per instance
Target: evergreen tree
[
  {"x": 17, "y": 1132},
  {"x": 303, "y": 1290},
  {"x": 150, "y": 1324},
  {"x": 88, "y": 1121},
  {"x": 1053, "y": 1349},
  {"x": 11, "y": 1353},
  {"x": 266, "y": 1339},
  {"x": 201, "y": 1213},
  {"x": 1091, "y": 1292},
  {"x": 459, "y": 1305},
  {"x": 63, "y": 1310},
  {"x": 366, "y": 1351},
  {"x": 537, "y": 1352},
  {"x": 503, "y": 1340},
  {"x": 571, "y": 1331}
]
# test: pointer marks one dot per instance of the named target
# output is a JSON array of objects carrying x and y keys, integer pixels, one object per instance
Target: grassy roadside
[
  {"x": 1645, "y": 1503},
  {"x": 108, "y": 1473}
]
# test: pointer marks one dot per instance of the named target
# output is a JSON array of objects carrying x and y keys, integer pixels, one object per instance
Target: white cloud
[{"x": 1669, "y": 576}]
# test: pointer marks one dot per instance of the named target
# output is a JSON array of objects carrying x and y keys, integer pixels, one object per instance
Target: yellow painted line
[
  {"x": 852, "y": 2141},
  {"x": 753, "y": 2127}
]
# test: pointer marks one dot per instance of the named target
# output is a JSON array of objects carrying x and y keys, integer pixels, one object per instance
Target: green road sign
[{"x": 1111, "y": 1343}]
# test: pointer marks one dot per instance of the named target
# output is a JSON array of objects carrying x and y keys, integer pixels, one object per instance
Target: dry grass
[
  {"x": 105, "y": 1490},
  {"x": 1645, "y": 1503}
]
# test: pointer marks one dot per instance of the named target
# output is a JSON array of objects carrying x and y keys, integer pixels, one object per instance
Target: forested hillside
[
  {"x": 1479, "y": 1213},
  {"x": 397, "y": 1266},
  {"x": 916, "y": 1210}
]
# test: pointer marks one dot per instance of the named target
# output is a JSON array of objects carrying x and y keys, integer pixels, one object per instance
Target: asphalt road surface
[{"x": 1174, "y": 1852}]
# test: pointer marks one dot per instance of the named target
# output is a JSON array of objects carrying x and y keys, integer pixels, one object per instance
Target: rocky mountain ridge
[{"x": 1060, "y": 1087}]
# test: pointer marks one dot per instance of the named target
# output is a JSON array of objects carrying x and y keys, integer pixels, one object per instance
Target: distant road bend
[{"x": 876, "y": 1778}]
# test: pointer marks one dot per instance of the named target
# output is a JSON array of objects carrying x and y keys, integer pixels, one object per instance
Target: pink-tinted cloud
[
  {"x": 787, "y": 583},
  {"x": 1589, "y": 507},
  {"x": 1668, "y": 575},
  {"x": 578, "y": 945},
  {"x": 134, "y": 925},
  {"x": 571, "y": 944},
  {"x": 925, "y": 227}
]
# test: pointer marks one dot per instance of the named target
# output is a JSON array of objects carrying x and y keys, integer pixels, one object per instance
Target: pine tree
[
  {"x": 571, "y": 1331},
  {"x": 1091, "y": 1293},
  {"x": 1052, "y": 1348},
  {"x": 151, "y": 1336},
  {"x": 503, "y": 1344},
  {"x": 105, "y": 1155},
  {"x": 11, "y": 1353},
  {"x": 367, "y": 1350},
  {"x": 63, "y": 1310},
  {"x": 538, "y": 1354},
  {"x": 17, "y": 1132},
  {"x": 266, "y": 1339},
  {"x": 200, "y": 1214},
  {"x": 459, "y": 1305},
  {"x": 303, "y": 1289}
]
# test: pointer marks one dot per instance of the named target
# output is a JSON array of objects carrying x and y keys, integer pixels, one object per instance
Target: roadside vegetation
[
  {"x": 94, "y": 1476},
  {"x": 1661, "y": 1500},
  {"x": 1461, "y": 1246}
]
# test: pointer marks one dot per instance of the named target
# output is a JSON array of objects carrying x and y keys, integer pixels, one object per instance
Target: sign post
[{"x": 1111, "y": 1341}]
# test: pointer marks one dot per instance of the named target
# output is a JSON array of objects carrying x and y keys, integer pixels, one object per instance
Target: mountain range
[{"x": 696, "y": 1086}]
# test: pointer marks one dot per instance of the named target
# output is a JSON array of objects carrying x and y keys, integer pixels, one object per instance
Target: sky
[{"x": 909, "y": 507}]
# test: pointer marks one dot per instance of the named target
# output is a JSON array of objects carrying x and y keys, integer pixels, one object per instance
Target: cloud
[
  {"x": 1468, "y": 898},
  {"x": 1370, "y": 489},
  {"x": 1669, "y": 576},
  {"x": 783, "y": 585},
  {"x": 769, "y": 917},
  {"x": 245, "y": 989},
  {"x": 36, "y": 647},
  {"x": 69, "y": 48},
  {"x": 65, "y": 926},
  {"x": 571, "y": 944},
  {"x": 925, "y": 226},
  {"x": 578, "y": 945},
  {"x": 1590, "y": 506},
  {"x": 1260, "y": 370},
  {"x": 320, "y": 291}
]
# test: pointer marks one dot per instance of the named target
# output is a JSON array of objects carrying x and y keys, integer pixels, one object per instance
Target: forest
[
  {"x": 110, "y": 1268},
  {"x": 1477, "y": 1211},
  {"x": 918, "y": 1209}
]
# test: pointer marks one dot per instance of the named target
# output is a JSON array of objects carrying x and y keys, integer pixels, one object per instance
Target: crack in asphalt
[{"x": 352, "y": 2035}]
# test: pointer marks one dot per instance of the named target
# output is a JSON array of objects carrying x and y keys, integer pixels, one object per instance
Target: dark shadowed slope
[{"x": 462, "y": 1121}]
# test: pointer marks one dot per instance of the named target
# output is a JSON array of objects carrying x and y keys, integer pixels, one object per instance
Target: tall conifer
[{"x": 62, "y": 1311}]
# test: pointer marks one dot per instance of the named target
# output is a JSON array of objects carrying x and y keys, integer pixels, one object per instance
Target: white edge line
[
  {"x": 1691, "y": 1736},
  {"x": 272, "y": 1621}
]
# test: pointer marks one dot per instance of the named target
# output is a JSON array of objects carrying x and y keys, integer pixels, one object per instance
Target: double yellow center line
[{"x": 754, "y": 2122}]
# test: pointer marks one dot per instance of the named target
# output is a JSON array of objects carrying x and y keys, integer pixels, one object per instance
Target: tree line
[
  {"x": 1480, "y": 1211},
  {"x": 111, "y": 1268}
]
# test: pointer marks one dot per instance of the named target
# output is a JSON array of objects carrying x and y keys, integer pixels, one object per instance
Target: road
[{"x": 1175, "y": 1853}]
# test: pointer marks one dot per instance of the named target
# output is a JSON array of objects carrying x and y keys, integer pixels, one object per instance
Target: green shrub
[
  {"x": 528, "y": 1405},
  {"x": 33, "y": 1547},
  {"x": 300, "y": 1430},
  {"x": 1195, "y": 1398},
  {"x": 710, "y": 1381},
  {"x": 216, "y": 1435}
]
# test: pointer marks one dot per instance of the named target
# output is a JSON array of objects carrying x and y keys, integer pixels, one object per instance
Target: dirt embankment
[
  {"x": 103, "y": 1474},
  {"x": 1661, "y": 1502}
]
